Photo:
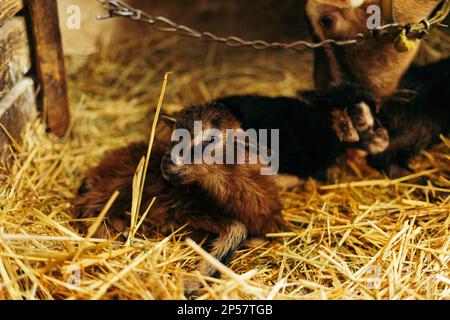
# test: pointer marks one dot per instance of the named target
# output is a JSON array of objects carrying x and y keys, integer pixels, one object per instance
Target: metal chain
[{"x": 117, "y": 8}]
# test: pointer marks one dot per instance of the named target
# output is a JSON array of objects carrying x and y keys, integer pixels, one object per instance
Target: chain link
[{"x": 118, "y": 8}]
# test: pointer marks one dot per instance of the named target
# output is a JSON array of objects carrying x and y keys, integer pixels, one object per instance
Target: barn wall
[
  {"x": 252, "y": 19},
  {"x": 17, "y": 98}
]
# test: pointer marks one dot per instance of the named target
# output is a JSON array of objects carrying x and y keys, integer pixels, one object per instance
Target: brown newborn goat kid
[{"x": 230, "y": 202}]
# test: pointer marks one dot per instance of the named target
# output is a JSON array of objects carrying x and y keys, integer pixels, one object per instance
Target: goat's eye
[{"x": 327, "y": 21}]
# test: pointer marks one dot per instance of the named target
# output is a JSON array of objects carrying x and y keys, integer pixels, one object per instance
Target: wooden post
[{"x": 49, "y": 64}]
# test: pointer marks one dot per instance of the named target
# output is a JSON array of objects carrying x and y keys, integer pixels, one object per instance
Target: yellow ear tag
[{"x": 403, "y": 44}]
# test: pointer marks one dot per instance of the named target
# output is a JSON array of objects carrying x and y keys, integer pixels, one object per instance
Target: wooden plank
[
  {"x": 49, "y": 63},
  {"x": 15, "y": 59},
  {"x": 16, "y": 110},
  {"x": 9, "y": 8}
]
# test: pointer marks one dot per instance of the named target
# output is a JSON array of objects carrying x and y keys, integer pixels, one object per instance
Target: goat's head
[
  {"x": 207, "y": 140},
  {"x": 375, "y": 64}
]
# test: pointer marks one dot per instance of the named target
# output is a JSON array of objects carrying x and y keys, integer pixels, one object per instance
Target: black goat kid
[{"x": 314, "y": 130}]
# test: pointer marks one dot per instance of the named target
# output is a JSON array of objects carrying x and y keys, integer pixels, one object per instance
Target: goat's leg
[{"x": 222, "y": 248}]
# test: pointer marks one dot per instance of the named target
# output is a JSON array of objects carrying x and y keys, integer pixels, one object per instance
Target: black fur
[
  {"x": 308, "y": 144},
  {"x": 416, "y": 122}
]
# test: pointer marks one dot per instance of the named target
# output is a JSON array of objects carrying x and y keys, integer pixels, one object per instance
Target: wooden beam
[
  {"x": 14, "y": 54},
  {"x": 9, "y": 8},
  {"x": 16, "y": 110},
  {"x": 49, "y": 63}
]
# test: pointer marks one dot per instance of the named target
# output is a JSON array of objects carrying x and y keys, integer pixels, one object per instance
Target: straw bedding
[{"x": 371, "y": 238}]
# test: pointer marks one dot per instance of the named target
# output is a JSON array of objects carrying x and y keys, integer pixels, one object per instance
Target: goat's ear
[{"x": 170, "y": 121}]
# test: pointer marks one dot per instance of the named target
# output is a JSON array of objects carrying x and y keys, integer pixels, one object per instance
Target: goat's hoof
[
  {"x": 375, "y": 141},
  {"x": 192, "y": 288}
]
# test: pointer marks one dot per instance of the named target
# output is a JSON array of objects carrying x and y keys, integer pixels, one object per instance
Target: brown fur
[
  {"x": 375, "y": 64},
  {"x": 228, "y": 202},
  {"x": 231, "y": 193}
]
